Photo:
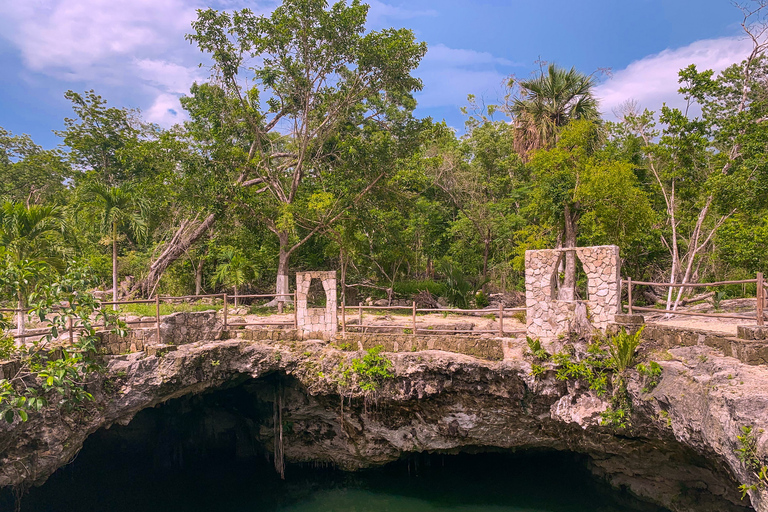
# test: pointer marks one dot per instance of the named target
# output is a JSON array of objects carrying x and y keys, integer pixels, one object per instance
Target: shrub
[
  {"x": 481, "y": 300},
  {"x": 411, "y": 288},
  {"x": 372, "y": 369}
]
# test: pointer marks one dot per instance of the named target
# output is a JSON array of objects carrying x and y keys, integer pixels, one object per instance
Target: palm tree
[
  {"x": 26, "y": 236},
  {"x": 548, "y": 102},
  {"x": 234, "y": 270},
  {"x": 122, "y": 209}
]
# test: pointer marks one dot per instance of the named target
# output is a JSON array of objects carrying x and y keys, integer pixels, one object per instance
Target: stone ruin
[
  {"x": 548, "y": 317},
  {"x": 323, "y": 321}
]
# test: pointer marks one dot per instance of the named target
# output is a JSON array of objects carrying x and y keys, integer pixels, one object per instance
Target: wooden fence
[
  {"x": 760, "y": 297},
  {"x": 226, "y": 299},
  {"x": 498, "y": 315}
]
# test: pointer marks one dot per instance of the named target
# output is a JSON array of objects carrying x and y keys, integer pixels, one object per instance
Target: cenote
[{"x": 201, "y": 453}]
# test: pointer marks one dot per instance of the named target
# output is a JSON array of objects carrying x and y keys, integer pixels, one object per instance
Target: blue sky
[{"x": 134, "y": 54}]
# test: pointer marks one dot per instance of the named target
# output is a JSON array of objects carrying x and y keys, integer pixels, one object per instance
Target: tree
[
  {"x": 234, "y": 270},
  {"x": 483, "y": 178},
  {"x": 102, "y": 139},
  {"x": 573, "y": 179},
  {"x": 708, "y": 168},
  {"x": 317, "y": 110},
  {"x": 122, "y": 209},
  {"x": 27, "y": 236},
  {"x": 547, "y": 102},
  {"x": 28, "y": 173}
]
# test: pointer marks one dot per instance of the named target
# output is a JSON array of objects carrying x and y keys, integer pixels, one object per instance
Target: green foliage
[
  {"x": 747, "y": 453},
  {"x": 48, "y": 371},
  {"x": 459, "y": 290},
  {"x": 622, "y": 348},
  {"x": 536, "y": 350},
  {"x": 481, "y": 300},
  {"x": 409, "y": 288},
  {"x": 372, "y": 369},
  {"x": 537, "y": 370},
  {"x": 651, "y": 373}
]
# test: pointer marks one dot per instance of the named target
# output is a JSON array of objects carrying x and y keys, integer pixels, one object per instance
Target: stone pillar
[{"x": 548, "y": 317}]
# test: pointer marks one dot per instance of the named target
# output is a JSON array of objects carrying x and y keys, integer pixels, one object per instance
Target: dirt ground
[
  {"x": 383, "y": 319},
  {"x": 745, "y": 307}
]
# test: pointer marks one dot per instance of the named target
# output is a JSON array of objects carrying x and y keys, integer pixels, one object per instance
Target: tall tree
[
  {"x": 122, "y": 209},
  {"x": 543, "y": 104},
  {"x": 573, "y": 179},
  {"x": 28, "y": 173},
  {"x": 707, "y": 168},
  {"x": 29, "y": 242},
  {"x": 318, "y": 110}
]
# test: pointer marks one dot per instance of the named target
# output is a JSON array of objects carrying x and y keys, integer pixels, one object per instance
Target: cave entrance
[{"x": 213, "y": 451}]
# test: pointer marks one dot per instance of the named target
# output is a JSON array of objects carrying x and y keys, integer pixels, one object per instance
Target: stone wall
[
  {"x": 658, "y": 338},
  {"x": 175, "y": 329},
  {"x": 548, "y": 317},
  {"x": 316, "y": 320},
  {"x": 483, "y": 348}
]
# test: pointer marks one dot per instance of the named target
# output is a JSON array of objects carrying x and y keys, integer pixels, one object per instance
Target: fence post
[
  {"x": 360, "y": 315},
  {"x": 629, "y": 296},
  {"x": 501, "y": 319},
  {"x": 225, "y": 311},
  {"x": 343, "y": 318},
  {"x": 760, "y": 298},
  {"x": 414, "y": 317},
  {"x": 157, "y": 318},
  {"x": 295, "y": 309}
]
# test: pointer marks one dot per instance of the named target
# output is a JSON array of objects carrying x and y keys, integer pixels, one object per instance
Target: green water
[
  {"x": 203, "y": 453},
  {"x": 102, "y": 482}
]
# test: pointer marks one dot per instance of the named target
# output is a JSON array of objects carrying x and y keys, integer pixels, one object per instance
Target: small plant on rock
[
  {"x": 651, "y": 374},
  {"x": 747, "y": 453}
]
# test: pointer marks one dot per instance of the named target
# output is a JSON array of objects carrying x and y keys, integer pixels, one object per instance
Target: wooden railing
[
  {"x": 34, "y": 333},
  {"x": 498, "y": 315},
  {"x": 760, "y": 297}
]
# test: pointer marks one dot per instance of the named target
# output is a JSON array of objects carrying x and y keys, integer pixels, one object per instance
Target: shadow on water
[{"x": 142, "y": 468}]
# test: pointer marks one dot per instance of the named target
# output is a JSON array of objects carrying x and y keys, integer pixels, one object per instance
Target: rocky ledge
[{"x": 679, "y": 453}]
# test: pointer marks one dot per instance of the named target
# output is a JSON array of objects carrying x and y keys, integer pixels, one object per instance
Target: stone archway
[{"x": 317, "y": 320}]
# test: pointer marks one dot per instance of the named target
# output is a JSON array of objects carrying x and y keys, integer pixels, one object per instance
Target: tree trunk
[
  {"x": 281, "y": 286},
  {"x": 568, "y": 291},
  {"x": 20, "y": 314},
  {"x": 236, "y": 302},
  {"x": 199, "y": 276},
  {"x": 185, "y": 236},
  {"x": 114, "y": 265}
]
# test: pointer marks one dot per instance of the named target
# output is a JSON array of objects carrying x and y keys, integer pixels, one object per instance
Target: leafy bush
[
  {"x": 459, "y": 290},
  {"x": 372, "y": 369},
  {"x": 410, "y": 288},
  {"x": 747, "y": 454},
  {"x": 481, "y": 300}
]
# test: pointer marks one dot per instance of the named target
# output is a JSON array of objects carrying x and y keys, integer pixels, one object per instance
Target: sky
[{"x": 134, "y": 54}]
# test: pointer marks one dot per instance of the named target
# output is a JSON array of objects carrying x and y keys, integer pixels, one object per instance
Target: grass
[{"x": 166, "y": 308}]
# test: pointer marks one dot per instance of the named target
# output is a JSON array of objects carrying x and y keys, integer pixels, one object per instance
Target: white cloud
[
  {"x": 450, "y": 74},
  {"x": 652, "y": 80},
  {"x": 165, "y": 111},
  {"x": 168, "y": 76},
  {"x": 60, "y": 36}
]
